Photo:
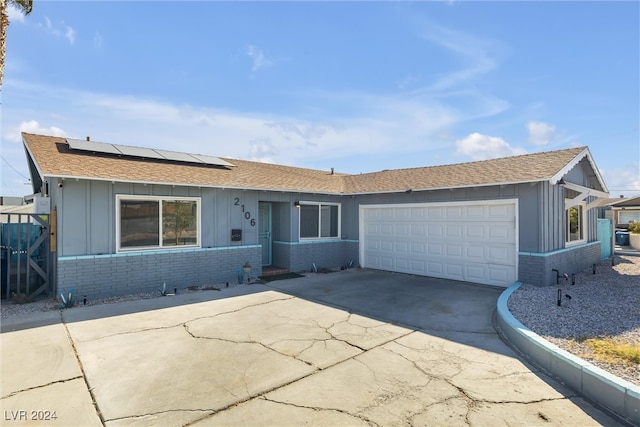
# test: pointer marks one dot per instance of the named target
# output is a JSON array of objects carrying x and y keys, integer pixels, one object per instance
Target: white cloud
[
  {"x": 70, "y": 34},
  {"x": 260, "y": 61},
  {"x": 623, "y": 180},
  {"x": 97, "y": 40},
  {"x": 483, "y": 147},
  {"x": 459, "y": 86},
  {"x": 58, "y": 30},
  {"x": 15, "y": 15},
  {"x": 479, "y": 54},
  {"x": 354, "y": 132},
  {"x": 540, "y": 133},
  {"x": 48, "y": 25},
  {"x": 302, "y": 130},
  {"x": 263, "y": 150},
  {"x": 32, "y": 126}
]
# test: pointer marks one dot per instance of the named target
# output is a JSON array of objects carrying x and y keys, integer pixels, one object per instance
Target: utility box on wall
[
  {"x": 236, "y": 235},
  {"x": 41, "y": 205}
]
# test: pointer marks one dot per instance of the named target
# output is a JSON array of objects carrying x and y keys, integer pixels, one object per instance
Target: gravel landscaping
[{"x": 604, "y": 304}]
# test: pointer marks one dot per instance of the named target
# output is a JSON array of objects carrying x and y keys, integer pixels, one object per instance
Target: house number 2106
[{"x": 247, "y": 214}]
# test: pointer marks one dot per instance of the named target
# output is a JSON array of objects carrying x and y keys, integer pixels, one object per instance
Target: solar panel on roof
[
  {"x": 210, "y": 160},
  {"x": 98, "y": 147},
  {"x": 180, "y": 157},
  {"x": 127, "y": 150},
  {"x": 138, "y": 152}
]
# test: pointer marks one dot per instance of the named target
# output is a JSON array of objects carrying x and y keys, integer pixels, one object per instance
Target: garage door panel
[
  {"x": 455, "y": 213},
  {"x": 386, "y": 262},
  {"x": 402, "y": 229},
  {"x": 435, "y": 268},
  {"x": 418, "y": 266},
  {"x": 454, "y": 231},
  {"x": 474, "y": 231},
  {"x": 402, "y": 264},
  {"x": 435, "y": 230},
  {"x": 500, "y": 212},
  {"x": 402, "y": 247},
  {"x": 498, "y": 275},
  {"x": 475, "y": 252},
  {"x": 475, "y": 272},
  {"x": 475, "y": 242},
  {"x": 372, "y": 245},
  {"x": 435, "y": 214},
  {"x": 386, "y": 213},
  {"x": 386, "y": 229},
  {"x": 475, "y": 213},
  {"x": 436, "y": 249},
  {"x": 386, "y": 246},
  {"x": 418, "y": 249},
  {"x": 454, "y": 250},
  {"x": 500, "y": 232},
  {"x": 418, "y": 230},
  {"x": 454, "y": 271},
  {"x": 504, "y": 255},
  {"x": 372, "y": 229},
  {"x": 402, "y": 214},
  {"x": 418, "y": 214}
]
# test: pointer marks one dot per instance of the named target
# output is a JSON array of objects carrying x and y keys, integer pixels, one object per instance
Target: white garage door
[{"x": 470, "y": 241}]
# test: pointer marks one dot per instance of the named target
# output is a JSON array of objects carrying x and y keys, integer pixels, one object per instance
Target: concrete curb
[{"x": 615, "y": 394}]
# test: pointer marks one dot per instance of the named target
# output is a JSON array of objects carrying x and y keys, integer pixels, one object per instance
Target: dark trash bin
[{"x": 622, "y": 238}]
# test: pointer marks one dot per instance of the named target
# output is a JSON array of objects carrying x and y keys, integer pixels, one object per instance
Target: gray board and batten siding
[{"x": 87, "y": 209}]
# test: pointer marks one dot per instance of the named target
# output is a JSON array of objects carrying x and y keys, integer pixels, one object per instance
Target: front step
[{"x": 273, "y": 271}]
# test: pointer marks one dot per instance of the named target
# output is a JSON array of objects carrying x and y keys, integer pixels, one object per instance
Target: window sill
[
  {"x": 157, "y": 249},
  {"x": 575, "y": 243}
]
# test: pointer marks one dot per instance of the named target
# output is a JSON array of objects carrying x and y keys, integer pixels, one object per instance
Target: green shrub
[{"x": 634, "y": 227}]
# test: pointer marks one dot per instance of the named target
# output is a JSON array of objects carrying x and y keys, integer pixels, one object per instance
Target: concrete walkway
[{"x": 348, "y": 348}]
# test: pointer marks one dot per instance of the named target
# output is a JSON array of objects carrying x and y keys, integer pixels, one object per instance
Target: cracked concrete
[{"x": 350, "y": 348}]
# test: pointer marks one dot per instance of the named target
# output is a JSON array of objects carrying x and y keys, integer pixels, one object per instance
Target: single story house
[
  {"x": 621, "y": 211},
  {"x": 130, "y": 219}
]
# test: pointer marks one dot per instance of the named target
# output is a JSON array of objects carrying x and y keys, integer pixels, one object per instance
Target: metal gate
[
  {"x": 28, "y": 254},
  {"x": 605, "y": 236}
]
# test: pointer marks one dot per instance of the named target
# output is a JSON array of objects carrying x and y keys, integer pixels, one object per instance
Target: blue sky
[{"x": 357, "y": 86}]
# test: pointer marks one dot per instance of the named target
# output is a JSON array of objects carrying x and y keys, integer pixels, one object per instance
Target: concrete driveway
[{"x": 349, "y": 348}]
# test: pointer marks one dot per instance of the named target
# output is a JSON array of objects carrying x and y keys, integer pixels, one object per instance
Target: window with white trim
[
  {"x": 575, "y": 221},
  {"x": 627, "y": 217},
  {"x": 150, "y": 222},
  {"x": 319, "y": 220}
]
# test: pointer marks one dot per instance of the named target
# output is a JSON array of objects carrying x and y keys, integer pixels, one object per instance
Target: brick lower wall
[
  {"x": 537, "y": 268},
  {"x": 103, "y": 276},
  {"x": 324, "y": 254}
]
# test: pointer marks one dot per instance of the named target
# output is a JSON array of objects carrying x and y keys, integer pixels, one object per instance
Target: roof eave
[
  {"x": 288, "y": 190},
  {"x": 584, "y": 153},
  {"x": 182, "y": 184},
  {"x": 33, "y": 164},
  {"x": 455, "y": 187}
]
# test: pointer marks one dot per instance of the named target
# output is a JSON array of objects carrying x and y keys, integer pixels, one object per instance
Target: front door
[{"x": 264, "y": 233}]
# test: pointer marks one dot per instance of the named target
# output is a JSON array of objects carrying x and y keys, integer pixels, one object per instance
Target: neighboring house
[
  {"x": 621, "y": 211},
  {"x": 16, "y": 206},
  {"x": 130, "y": 219}
]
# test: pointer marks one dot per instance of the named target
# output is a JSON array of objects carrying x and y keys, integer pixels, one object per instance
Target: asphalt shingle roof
[{"x": 53, "y": 157}]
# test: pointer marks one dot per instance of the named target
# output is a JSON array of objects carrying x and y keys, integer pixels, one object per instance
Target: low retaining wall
[
  {"x": 300, "y": 256},
  {"x": 100, "y": 276},
  {"x": 617, "y": 395},
  {"x": 537, "y": 268}
]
